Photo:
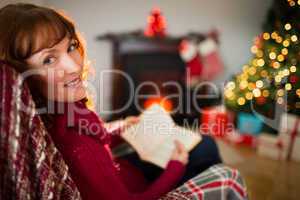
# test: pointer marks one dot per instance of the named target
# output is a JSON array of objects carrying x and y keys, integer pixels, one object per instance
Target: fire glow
[{"x": 163, "y": 102}]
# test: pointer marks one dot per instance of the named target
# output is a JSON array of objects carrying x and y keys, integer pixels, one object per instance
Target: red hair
[{"x": 26, "y": 29}]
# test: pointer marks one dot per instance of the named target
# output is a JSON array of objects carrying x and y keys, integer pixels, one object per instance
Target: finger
[
  {"x": 132, "y": 119},
  {"x": 186, "y": 156},
  {"x": 176, "y": 142},
  {"x": 174, "y": 154},
  {"x": 135, "y": 119},
  {"x": 179, "y": 146}
]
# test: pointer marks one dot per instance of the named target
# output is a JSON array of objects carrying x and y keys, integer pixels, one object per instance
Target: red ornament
[
  {"x": 294, "y": 79},
  {"x": 260, "y": 100},
  {"x": 156, "y": 24}
]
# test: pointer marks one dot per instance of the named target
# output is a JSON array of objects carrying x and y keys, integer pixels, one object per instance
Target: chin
[{"x": 78, "y": 95}]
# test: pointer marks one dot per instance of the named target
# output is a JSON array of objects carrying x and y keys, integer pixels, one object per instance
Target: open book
[{"x": 153, "y": 137}]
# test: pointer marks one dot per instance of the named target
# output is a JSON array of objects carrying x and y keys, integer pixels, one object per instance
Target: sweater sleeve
[
  {"x": 96, "y": 177},
  {"x": 114, "y": 130}
]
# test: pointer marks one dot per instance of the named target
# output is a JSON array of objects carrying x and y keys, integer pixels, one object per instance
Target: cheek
[
  {"x": 52, "y": 85},
  {"x": 78, "y": 58}
]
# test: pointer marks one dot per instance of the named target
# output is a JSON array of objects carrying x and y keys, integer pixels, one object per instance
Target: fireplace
[{"x": 156, "y": 72}]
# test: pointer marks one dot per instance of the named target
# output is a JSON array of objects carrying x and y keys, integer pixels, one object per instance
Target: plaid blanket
[
  {"x": 30, "y": 165},
  {"x": 219, "y": 182}
]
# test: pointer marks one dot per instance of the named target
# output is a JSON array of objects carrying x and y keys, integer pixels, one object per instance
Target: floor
[{"x": 265, "y": 178}]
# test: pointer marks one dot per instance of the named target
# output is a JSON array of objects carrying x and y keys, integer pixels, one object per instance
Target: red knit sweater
[{"x": 84, "y": 146}]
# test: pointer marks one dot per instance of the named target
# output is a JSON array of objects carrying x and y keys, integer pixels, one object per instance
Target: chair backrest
[{"x": 30, "y": 165}]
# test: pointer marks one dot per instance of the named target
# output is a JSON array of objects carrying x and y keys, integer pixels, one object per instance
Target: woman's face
[{"x": 59, "y": 71}]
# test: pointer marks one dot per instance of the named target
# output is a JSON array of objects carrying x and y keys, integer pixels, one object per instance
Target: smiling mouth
[{"x": 73, "y": 83}]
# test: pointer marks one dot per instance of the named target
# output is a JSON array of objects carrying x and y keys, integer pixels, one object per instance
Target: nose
[{"x": 70, "y": 65}]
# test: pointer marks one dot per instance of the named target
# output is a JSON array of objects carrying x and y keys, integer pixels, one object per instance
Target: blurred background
[
  {"x": 248, "y": 49},
  {"x": 237, "y": 22}
]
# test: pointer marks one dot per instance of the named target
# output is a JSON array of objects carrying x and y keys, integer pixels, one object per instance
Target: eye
[
  {"x": 49, "y": 60},
  {"x": 73, "y": 46}
]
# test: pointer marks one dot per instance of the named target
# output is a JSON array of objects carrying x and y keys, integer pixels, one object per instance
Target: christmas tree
[{"x": 272, "y": 76}]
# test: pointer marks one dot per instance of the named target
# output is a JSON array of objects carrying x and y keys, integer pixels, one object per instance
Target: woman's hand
[
  {"x": 180, "y": 153},
  {"x": 130, "y": 120}
]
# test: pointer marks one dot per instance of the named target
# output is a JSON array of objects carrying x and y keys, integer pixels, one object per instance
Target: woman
[{"x": 44, "y": 46}]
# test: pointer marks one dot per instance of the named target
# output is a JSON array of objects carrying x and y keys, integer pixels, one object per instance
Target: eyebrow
[{"x": 50, "y": 50}]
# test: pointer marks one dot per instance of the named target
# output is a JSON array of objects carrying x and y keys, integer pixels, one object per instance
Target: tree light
[
  {"x": 251, "y": 86},
  {"x": 280, "y": 57},
  {"x": 260, "y": 62},
  {"x": 264, "y": 73},
  {"x": 272, "y": 55},
  {"x": 284, "y": 51},
  {"x": 294, "y": 38},
  {"x": 286, "y": 43},
  {"x": 266, "y": 93},
  {"x": 288, "y": 86},
  {"x": 259, "y": 83},
  {"x": 256, "y": 92},
  {"x": 241, "y": 101},
  {"x": 286, "y": 72},
  {"x": 266, "y": 36},
  {"x": 280, "y": 92},
  {"x": 276, "y": 65},
  {"x": 230, "y": 85},
  {"x": 280, "y": 100},
  {"x": 279, "y": 39},
  {"x": 274, "y": 35},
  {"x": 252, "y": 70},
  {"x": 243, "y": 84},
  {"x": 278, "y": 79},
  {"x": 293, "y": 69},
  {"x": 254, "y": 49},
  {"x": 249, "y": 95},
  {"x": 287, "y": 26},
  {"x": 229, "y": 94}
]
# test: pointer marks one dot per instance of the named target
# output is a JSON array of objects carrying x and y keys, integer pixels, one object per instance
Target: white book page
[
  {"x": 153, "y": 137},
  {"x": 162, "y": 154},
  {"x": 187, "y": 137},
  {"x": 154, "y": 126}
]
